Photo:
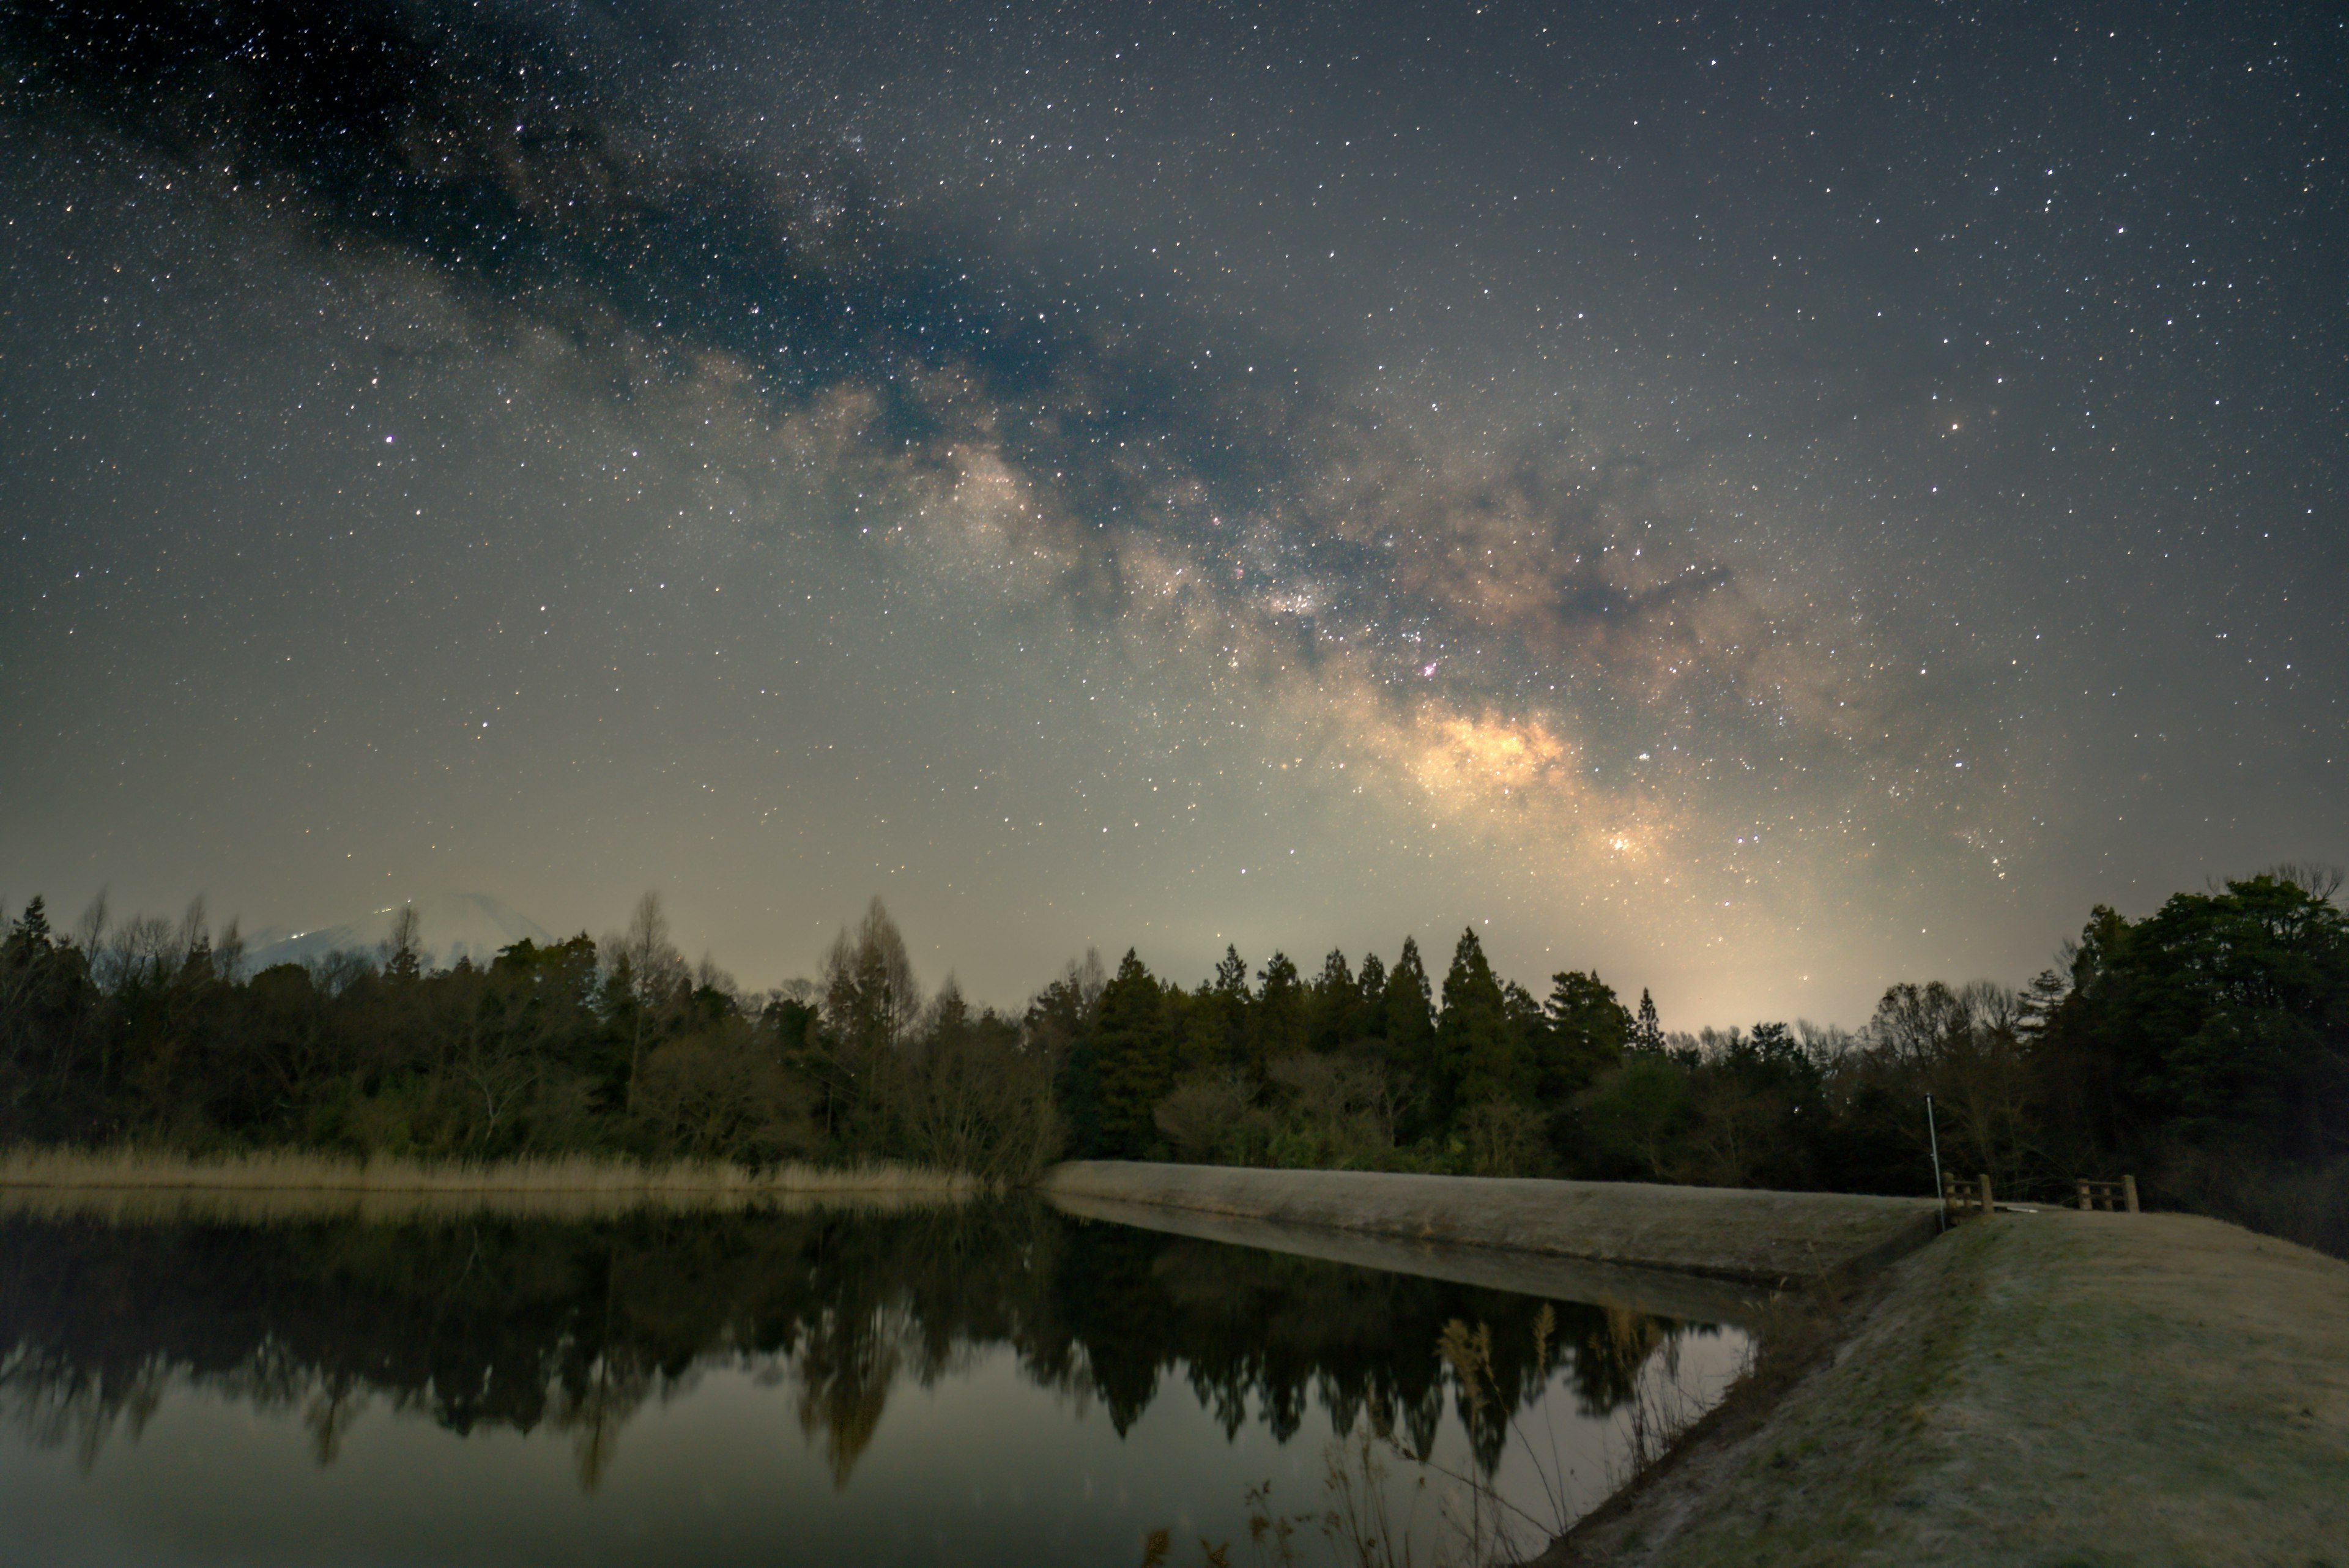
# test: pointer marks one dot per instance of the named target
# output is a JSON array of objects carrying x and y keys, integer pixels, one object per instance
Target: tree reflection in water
[{"x": 491, "y": 1322}]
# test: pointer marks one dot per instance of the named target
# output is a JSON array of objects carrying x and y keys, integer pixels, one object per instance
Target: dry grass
[
  {"x": 2081, "y": 1389},
  {"x": 135, "y": 1185}
]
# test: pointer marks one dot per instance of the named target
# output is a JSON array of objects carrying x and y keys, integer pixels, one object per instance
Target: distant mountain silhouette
[{"x": 454, "y": 926}]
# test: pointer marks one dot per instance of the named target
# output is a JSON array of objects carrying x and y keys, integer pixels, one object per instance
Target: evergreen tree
[
  {"x": 1333, "y": 1006},
  {"x": 1134, "y": 1060},
  {"x": 1529, "y": 1042},
  {"x": 1647, "y": 1031},
  {"x": 2222, "y": 1019},
  {"x": 1370, "y": 998},
  {"x": 1408, "y": 1003},
  {"x": 1217, "y": 1036},
  {"x": 1589, "y": 1030},
  {"x": 33, "y": 925},
  {"x": 1478, "y": 1056},
  {"x": 1275, "y": 1019}
]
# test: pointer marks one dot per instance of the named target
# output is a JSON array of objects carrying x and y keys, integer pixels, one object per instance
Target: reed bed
[{"x": 148, "y": 1186}]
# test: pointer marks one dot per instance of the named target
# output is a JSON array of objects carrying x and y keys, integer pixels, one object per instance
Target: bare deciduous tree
[
  {"x": 871, "y": 1005},
  {"x": 869, "y": 991},
  {"x": 403, "y": 952},
  {"x": 651, "y": 971}
]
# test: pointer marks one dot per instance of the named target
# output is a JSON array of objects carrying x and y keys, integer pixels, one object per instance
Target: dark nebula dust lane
[
  {"x": 487, "y": 150},
  {"x": 1766, "y": 506}
]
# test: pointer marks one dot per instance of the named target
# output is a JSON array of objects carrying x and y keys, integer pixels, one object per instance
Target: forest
[{"x": 2204, "y": 1049}]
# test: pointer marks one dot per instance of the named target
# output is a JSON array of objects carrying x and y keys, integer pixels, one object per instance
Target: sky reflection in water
[{"x": 998, "y": 1383}]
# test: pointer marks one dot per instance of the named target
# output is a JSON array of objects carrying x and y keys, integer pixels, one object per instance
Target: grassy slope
[{"x": 2043, "y": 1389}]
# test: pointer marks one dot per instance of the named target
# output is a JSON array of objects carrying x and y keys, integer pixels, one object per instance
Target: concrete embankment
[
  {"x": 1772, "y": 1239},
  {"x": 2049, "y": 1388},
  {"x": 1662, "y": 1293}
]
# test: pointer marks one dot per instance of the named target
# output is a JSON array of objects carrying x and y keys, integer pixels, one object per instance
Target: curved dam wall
[
  {"x": 1660, "y": 1293},
  {"x": 1771, "y": 1239}
]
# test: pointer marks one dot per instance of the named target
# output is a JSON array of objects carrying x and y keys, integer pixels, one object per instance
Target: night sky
[{"x": 1764, "y": 503}]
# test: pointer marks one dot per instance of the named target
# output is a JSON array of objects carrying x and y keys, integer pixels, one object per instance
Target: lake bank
[
  {"x": 1772, "y": 1239},
  {"x": 2054, "y": 1388},
  {"x": 134, "y": 1185}
]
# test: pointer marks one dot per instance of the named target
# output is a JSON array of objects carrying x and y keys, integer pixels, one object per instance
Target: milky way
[{"x": 1767, "y": 508}]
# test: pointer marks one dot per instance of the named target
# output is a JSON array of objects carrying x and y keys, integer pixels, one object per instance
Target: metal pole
[{"x": 1933, "y": 1142}]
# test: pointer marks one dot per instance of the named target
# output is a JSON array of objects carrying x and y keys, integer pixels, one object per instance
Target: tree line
[
  {"x": 2204, "y": 1048},
  {"x": 155, "y": 1034}
]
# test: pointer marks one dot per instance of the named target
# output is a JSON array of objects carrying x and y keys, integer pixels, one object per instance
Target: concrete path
[
  {"x": 2060, "y": 1389},
  {"x": 1773, "y": 1238}
]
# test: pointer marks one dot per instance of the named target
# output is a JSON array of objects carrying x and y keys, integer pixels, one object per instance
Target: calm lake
[{"x": 994, "y": 1383}]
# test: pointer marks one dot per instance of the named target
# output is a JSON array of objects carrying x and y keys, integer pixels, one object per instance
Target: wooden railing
[
  {"x": 1961, "y": 1198},
  {"x": 1964, "y": 1200},
  {"x": 2113, "y": 1197}
]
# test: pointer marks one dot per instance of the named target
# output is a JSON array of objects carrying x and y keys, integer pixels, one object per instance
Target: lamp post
[{"x": 1933, "y": 1142}]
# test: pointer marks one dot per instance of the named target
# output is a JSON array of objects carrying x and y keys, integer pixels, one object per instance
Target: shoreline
[{"x": 138, "y": 1185}]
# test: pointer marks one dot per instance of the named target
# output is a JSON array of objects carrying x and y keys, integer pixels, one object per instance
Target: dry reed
[{"x": 134, "y": 1185}]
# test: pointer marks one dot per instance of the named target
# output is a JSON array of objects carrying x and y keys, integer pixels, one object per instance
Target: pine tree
[
  {"x": 1588, "y": 1029},
  {"x": 1478, "y": 1057},
  {"x": 1231, "y": 975},
  {"x": 1370, "y": 998},
  {"x": 1333, "y": 1006},
  {"x": 1646, "y": 1033},
  {"x": 1133, "y": 1060},
  {"x": 1408, "y": 1006},
  {"x": 1275, "y": 1019},
  {"x": 1218, "y": 1024}
]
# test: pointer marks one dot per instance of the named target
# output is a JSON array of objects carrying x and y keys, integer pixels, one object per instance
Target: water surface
[{"x": 989, "y": 1384}]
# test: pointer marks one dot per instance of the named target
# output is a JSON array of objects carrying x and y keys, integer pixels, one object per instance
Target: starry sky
[{"x": 1764, "y": 503}]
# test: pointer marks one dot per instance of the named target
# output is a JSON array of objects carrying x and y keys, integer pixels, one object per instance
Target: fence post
[
  {"x": 2084, "y": 1194},
  {"x": 2128, "y": 1191},
  {"x": 1985, "y": 1195}
]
